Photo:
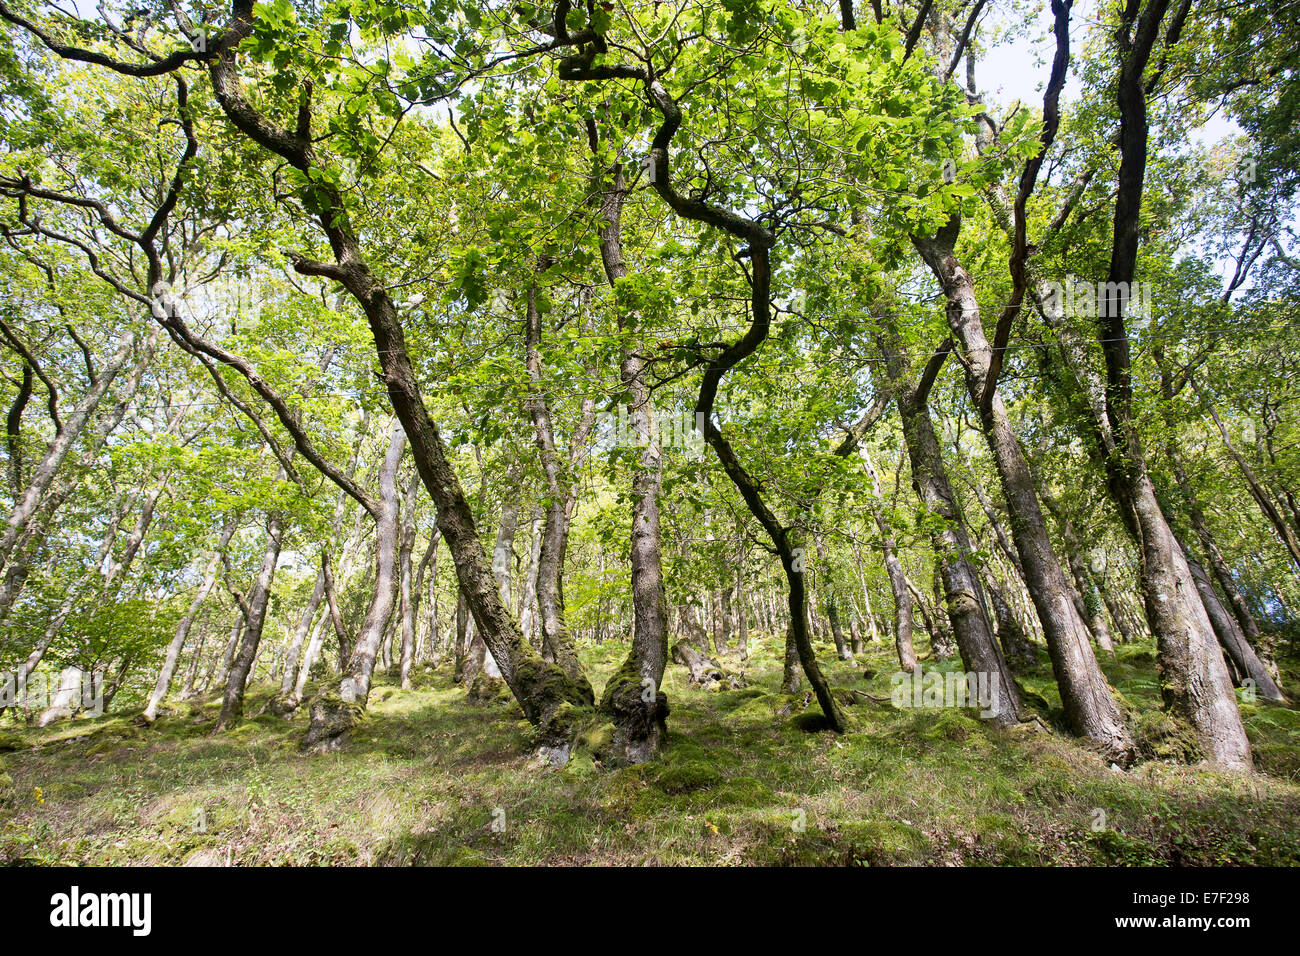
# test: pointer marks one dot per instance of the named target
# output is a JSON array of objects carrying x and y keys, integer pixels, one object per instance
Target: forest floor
[{"x": 431, "y": 779}]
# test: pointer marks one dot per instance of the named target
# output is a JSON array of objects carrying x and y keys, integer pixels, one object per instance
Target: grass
[{"x": 431, "y": 779}]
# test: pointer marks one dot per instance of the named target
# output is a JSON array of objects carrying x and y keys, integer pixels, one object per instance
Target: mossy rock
[
  {"x": 332, "y": 719},
  {"x": 1160, "y": 736},
  {"x": 741, "y": 791},
  {"x": 11, "y": 742},
  {"x": 953, "y": 725},
  {"x": 8, "y": 792},
  {"x": 769, "y": 707},
  {"x": 812, "y": 721},
  {"x": 283, "y": 705},
  {"x": 883, "y": 843},
  {"x": 580, "y": 764},
  {"x": 488, "y": 690},
  {"x": 685, "y": 777}
]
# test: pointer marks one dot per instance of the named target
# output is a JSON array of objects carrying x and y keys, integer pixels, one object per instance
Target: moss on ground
[{"x": 429, "y": 778}]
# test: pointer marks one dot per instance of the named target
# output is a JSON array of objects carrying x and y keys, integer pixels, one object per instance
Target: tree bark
[
  {"x": 1090, "y": 707},
  {"x": 971, "y": 626},
  {"x": 174, "y": 649},
  {"x": 405, "y": 585},
  {"x": 254, "y": 613},
  {"x": 1194, "y": 679},
  {"x": 897, "y": 578},
  {"x": 561, "y": 490},
  {"x": 533, "y": 683}
]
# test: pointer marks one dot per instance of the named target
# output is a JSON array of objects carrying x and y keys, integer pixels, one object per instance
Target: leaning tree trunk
[
  {"x": 535, "y": 685},
  {"x": 29, "y": 542},
  {"x": 332, "y": 717},
  {"x": 254, "y": 613},
  {"x": 1089, "y": 602},
  {"x": 560, "y": 488},
  {"x": 1210, "y": 545},
  {"x": 48, "y": 467},
  {"x": 1267, "y": 506},
  {"x": 897, "y": 578},
  {"x": 355, "y": 685},
  {"x": 174, "y": 649},
  {"x": 192, "y": 672},
  {"x": 1194, "y": 679},
  {"x": 1016, "y": 647},
  {"x": 1091, "y": 709},
  {"x": 952, "y": 547},
  {"x": 406, "y": 594},
  {"x": 1236, "y": 628},
  {"x": 503, "y": 563},
  {"x": 785, "y": 539},
  {"x": 632, "y": 698},
  {"x": 1238, "y": 649}
]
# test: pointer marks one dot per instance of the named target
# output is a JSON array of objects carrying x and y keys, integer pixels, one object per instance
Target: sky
[{"x": 1021, "y": 65}]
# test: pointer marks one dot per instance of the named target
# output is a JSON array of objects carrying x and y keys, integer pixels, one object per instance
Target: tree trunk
[
  {"x": 254, "y": 611},
  {"x": 832, "y": 609},
  {"x": 1194, "y": 680},
  {"x": 332, "y": 719},
  {"x": 1089, "y": 602},
  {"x": 742, "y": 612},
  {"x": 191, "y": 672},
  {"x": 293, "y": 653},
  {"x": 355, "y": 686},
  {"x": 1090, "y": 707},
  {"x": 953, "y": 568},
  {"x": 897, "y": 579},
  {"x": 174, "y": 649},
  {"x": 1240, "y": 654},
  {"x": 417, "y": 596},
  {"x": 791, "y": 672},
  {"x": 561, "y": 489},
  {"x": 405, "y": 592}
]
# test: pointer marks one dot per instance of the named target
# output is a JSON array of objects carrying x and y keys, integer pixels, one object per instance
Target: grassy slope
[{"x": 425, "y": 776}]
